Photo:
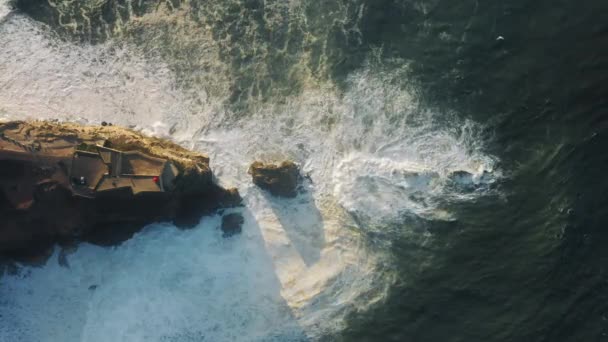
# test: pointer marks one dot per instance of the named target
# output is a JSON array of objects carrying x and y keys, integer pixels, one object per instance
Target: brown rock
[{"x": 280, "y": 180}]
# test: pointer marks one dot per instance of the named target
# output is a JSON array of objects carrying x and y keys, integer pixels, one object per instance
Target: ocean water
[{"x": 384, "y": 104}]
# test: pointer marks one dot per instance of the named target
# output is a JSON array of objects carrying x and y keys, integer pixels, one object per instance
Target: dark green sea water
[
  {"x": 531, "y": 267},
  {"x": 526, "y": 262}
]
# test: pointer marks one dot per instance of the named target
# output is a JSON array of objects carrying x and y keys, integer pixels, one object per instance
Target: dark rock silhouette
[
  {"x": 280, "y": 180},
  {"x": 232, "y": 224}
]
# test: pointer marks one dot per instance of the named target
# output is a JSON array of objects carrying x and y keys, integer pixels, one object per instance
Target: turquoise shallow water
[{"x": 521, "y": 85}]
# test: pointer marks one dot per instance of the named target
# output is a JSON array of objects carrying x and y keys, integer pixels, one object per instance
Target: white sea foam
[
  {"x": 5, "y": 9},
  {"x": 45, "y": 78},
  {"x": 300, "y": 266}
]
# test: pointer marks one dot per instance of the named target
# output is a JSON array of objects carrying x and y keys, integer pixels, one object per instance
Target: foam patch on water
[
  {"x": 382, "y": 186},
  {"x": 385, "y": 189},
  {"x": 5, "y": 9}
]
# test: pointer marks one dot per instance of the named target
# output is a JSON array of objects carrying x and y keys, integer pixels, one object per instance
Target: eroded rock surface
[
  {"x": 280, "y": 180},
  {"x": 60, "y": 184}
]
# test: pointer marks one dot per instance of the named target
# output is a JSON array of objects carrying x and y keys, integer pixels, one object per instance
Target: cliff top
[{"x": 56, "y": 139}]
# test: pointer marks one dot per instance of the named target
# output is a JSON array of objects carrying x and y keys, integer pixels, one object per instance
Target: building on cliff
[
  {"x": 86, "y": 169},
  {"x": 102, "y": 169}
]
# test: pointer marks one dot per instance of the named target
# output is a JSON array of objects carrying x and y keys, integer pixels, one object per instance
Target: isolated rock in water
[
  {"x": 468, "y": 179},
  {"x": 462, "y": 177},
  {"x": 280, "y": 180},
  {"x": 232, "y": 224},
  {"x": 66, "y": 182}
]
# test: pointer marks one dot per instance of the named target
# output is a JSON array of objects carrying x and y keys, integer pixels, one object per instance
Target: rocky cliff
[{"x": 43, "y": 203}]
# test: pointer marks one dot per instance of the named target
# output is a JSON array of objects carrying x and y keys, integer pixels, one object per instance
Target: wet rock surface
[
  {"x": 40, "y": 205},
  {"x": 232, "y": 224},
  {"x": 279, "y": 179}
]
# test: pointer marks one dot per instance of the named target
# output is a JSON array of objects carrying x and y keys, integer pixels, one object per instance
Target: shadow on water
[
  {"x": 302, "y": 222},
  {"x": 288, "y": 328},
  {"x": 192, "y": 285}
]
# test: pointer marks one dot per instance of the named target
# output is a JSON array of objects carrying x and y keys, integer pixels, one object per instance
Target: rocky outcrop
[
  {"x": 280, "y": 180},
  {"x": 40, "y": 203},
  {"x": 470, "y": 180},
  {"x": 232, "y": 224}
]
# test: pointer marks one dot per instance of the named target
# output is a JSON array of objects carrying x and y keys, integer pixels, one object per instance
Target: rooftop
[{"x": 108, "y": 169}]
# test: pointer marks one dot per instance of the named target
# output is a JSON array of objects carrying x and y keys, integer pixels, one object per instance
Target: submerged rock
[
  {"x": 280, "y": 180},
  {"x": 462, "y": 177},
  {"x": 469, "y": 181},
  {"x": 64, "y": 182},
  {"x": 232, "y": 224}
]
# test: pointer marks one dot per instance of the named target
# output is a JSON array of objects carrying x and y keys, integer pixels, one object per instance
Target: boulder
[
  {"x": 232, "y": 224},
  {"x": 280, "y": 180},
  {"x": 461, "y": 177},
  {"x": 468, "y": 179}
]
